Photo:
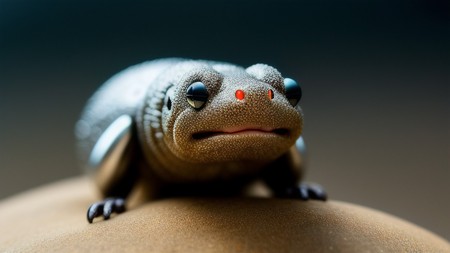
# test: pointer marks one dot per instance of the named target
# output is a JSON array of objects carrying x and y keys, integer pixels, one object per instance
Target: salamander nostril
[
  {"x": 270, "y": 94},
  {"x": 240, "y": 94}
]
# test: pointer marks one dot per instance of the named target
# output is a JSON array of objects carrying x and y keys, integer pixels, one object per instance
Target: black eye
[
  {"x": 169, "y": 96},
  {"x": 293, "y": 91},
  {"x": 169, "y": 103},
  {"x": 197, "y": 95}
]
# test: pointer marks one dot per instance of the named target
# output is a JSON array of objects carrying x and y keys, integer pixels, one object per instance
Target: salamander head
[{"x": 217, "y": 112}]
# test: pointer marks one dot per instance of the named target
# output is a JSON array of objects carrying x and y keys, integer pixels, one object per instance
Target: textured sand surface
[{"x": 52, "y": 219}]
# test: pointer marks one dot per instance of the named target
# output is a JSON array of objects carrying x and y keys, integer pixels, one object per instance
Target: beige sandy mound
[{"x": 53, "y": 219}]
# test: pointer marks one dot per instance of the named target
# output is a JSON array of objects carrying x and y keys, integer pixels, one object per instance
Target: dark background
[{"x": 375, "y": 77}]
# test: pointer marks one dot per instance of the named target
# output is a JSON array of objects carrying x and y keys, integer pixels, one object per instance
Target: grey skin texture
[{"x": 141, "y": 139}]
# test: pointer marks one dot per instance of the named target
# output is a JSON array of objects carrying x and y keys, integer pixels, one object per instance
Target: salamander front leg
[
  {"x": 105, "y": 208},
  {"x": 284, "y": 176}
]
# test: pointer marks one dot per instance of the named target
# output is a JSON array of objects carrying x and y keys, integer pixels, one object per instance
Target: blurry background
[{"x": 375, "y": 78}]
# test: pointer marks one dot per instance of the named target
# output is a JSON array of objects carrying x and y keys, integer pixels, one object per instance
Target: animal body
[{"x": 174, "y": 127}]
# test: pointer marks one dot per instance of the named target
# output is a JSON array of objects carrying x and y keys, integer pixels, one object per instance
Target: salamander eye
[
  {"x": 169, "y": 97},
  {"x": 293, "y": 91},
  {"x": 197, "y": 95}
]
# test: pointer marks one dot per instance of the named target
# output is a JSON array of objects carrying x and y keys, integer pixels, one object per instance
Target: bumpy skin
[{"x": 176, "y": 149}]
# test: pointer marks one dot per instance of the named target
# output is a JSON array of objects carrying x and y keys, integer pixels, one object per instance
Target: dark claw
[
  {"x": 105, "y": 208},
  {"x": 108, "y": 208},
  {"x": 305, "y": 192},
  {"x": 94, "y": 211},
  {"x": 119, "y": 205},
  {"x": 316, "y": 192}
]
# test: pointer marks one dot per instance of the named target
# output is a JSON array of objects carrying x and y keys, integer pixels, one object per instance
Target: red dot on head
[
  {"x": 240, "y": 94},
  {"x": 270, "y": 94}
]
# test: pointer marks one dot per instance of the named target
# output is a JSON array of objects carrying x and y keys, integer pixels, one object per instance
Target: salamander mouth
[{"x": 282, "y": 132}]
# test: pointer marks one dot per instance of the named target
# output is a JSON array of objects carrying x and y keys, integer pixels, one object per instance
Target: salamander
[{"x": 182, "y": 127}]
